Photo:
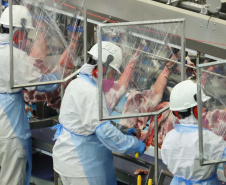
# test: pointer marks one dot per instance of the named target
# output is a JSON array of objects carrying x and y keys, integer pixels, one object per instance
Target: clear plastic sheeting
[
  {"x": 213, "y": 81},
  {"x": 150, "y": 67},
  {"x": 54, "y": 48}
]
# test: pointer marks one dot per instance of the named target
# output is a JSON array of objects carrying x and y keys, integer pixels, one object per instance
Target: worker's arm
[
  {"x": 50, "y": 87},
  {"x": 129, "y": 131},
  {"x": 116, "y": 141}
]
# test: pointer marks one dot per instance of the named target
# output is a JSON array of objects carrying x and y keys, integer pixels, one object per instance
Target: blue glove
[
  {"x": 141, "y": 147},
  {"x": 4, "y": 3},
  {"x": 219, "y": 70},
  {"x": 132, "y": 131},
  {"x": 116, "y": 141},
  {"x": 51, "y": 87},
  {"x": 75, "y": 29},
  {"x": 179, "y": 60}
]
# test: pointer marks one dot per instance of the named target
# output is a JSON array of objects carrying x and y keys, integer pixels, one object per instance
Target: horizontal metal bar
[
  {"x": 200, "y": 66},
  {"x": 156, "y": 40},
  {"x": 127, "y": 116},
  {"x": 212, "y": 57},
  {"x": 43, "y": 151},
  {"x": 212, "y": 63},
  {"x": 142, "y": 22},
  {"x": 72, "y": 75},
  {"x": 43, "y": 123},
  {"x": 212, "y": 73},
  {"x": 162, "y": 110},
  {"x": 68, "y": 14},
  {"x": 48, "y": 83},
  {"x": 155, "y": 56},
  {"x": 213, "y": 162},
  {"x": 38, "y": 84},
  {"x": 135, "y": 115}
]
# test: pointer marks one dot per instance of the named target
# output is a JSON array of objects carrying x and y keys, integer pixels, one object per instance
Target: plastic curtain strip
[
  {"x": 149, "y": 68},
  {"x": 52, "y": 49}
]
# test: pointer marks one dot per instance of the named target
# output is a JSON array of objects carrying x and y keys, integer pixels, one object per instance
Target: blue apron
[
  {"x": 213, "y": 180},
  {"x": 14, "y": 107},
  {"x": 96, "y": 159}
]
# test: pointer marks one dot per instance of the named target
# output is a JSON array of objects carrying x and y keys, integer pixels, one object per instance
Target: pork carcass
[
  {"x": 119, "y": 86},
  {"x": 69, "y": 54},
  {"x": 39, "y": 48},
  {"x": 33, "y": 96},
  {"x": 165, "y": 124},
  {"x": 53, "y": 99},
  {"x": 215, "y": 121},
  {"x": 143, "y": 102}
]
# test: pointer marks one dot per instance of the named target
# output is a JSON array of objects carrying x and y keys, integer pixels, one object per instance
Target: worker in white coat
[
  {"x": 180, "y": 148},
  {"x": 15, "y": 135},
  {"x": 82, "y": 153}
]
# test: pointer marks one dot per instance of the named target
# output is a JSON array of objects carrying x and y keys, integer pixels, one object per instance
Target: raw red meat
[
  {"x": 119, "y": 87},
  {"x": 216, "y": 122},
  {"x": 143, "y": 102},
  {"x": 140, "y": 171},
  {"x": 39, "y": 48}
]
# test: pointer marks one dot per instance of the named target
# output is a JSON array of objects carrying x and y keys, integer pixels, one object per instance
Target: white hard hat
[
  {"x": 19, "y": 13},
  {"x": 109, "y": 48},
  {"x": 184, "y": 96}
]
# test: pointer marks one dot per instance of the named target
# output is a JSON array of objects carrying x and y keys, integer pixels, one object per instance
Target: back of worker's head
[
  {"x": 183, "y": 99},
  {"x": 22, "y": 21},
  {"x": 111, "y": 55},
  {"x": 21, "y": 17}
]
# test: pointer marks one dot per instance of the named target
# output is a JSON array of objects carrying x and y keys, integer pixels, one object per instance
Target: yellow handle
[
  {"x": 139, "y": 180},
  {"x": 136, "y": 155},
  {"x": 150, "y": 182}
]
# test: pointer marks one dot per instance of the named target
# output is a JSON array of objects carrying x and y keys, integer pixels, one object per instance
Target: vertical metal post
[
  {"x": 100, "y": 70},
  {"x": 61, "y": 91},
  {"x": 183, "y": 51},
  {"x": 199, "y": 99},
  {"x": 11, "y": 43},
  {"x": 0, "y": 8},
  {"x": 197, "y": 58},
  {"x": 85, "y": 31},
  {"x": 156, "y": 148}
]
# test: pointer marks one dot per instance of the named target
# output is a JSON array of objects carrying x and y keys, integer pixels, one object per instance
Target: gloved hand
[
  {"x": 141, "y": 148},
  {"x": 135, "y": 132},
  {"x": 4, "y": 3},
  {"x": 75, "y": 29},
  {"x": 51, "y": 87}
]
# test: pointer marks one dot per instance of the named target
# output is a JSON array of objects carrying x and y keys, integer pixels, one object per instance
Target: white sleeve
[
  {"x": 215, "y": 146},
  {"x": 24, "y": 70}
]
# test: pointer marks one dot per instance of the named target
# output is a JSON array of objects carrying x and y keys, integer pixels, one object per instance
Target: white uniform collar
[
  {"x": 4, "y": 38},
  {"x": 88, "y": 69},
  {"x": 190, "y": 120}
]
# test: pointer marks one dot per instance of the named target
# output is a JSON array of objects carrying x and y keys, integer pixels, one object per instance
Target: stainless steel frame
[
  {"x": 100, "y": 78},
  {"x": 100, "y": 72},
  {"x": 199, "y": 101},
  {"x": 12, "y": 85}
]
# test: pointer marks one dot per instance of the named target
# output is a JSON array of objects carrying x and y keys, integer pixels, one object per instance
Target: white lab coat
[
  {"x": 24, "y": 71},
  {"x": 15, "y": 130},
  {"x": 180, "y": 151},
  {"x": 83, "y": 147},
  {"x": 75, "y": 115}
]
